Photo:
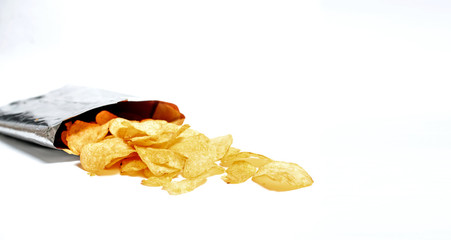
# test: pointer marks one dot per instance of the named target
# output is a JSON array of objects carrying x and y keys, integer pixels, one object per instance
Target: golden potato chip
[
  {"x": 132, "y": 166},
  {"x": 239, "y": 172},
  {"x": 153, "y": 127},
  {"x": 189, "y": 184},
  {"x": 214, "y": 170},
  {"x": 188, "y": 133},
  {"x": 147, "y": 173},
  {"x": 156, "y": 128},
  {"x": 282, "y": 176},
  {"x": 232, "y": 151},
  {"x": 159, "y": 170},
  {"x": 172, "y": 139},
  {"x": 161, "y": 161},
  {"x": 95, "y": 157},
  {"x": 149, "y": 132},
  {"x": 255, "y": 159},
  {"x": 81, "y": 133},
  {"x": 164, "y": 139},
  {"x": 200, "y": 154},
  {"x": 104, "y": 116},
  {"x": 157, "y": 181},
  {"x": 123, "y": 128},
  {"x": 183, "y": 186},
  {"x": 221, "y": 145}
]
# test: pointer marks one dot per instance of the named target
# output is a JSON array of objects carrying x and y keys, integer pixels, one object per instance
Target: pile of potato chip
[{"x": 172, "y": 156}]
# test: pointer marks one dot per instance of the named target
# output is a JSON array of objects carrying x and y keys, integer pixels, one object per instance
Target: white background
[{"x": 356, "y": 92}]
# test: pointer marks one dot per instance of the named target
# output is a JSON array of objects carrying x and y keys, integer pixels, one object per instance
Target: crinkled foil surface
[{"x": 37, "y": 119}]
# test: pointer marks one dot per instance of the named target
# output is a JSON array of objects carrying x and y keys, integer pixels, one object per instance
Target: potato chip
[
  {"x": 282, "y": 176},
  {"x": 152, "y": 127},
  {"x": 132, "y": 166},
  {"x": 200, "y": 154},
  {"x": 104, "y": 116},
  {"x": 255, "y": 159},
  {"x": 170, "y": 141},
  {"x": 232, "y": 151},
  {"x": 221, "y": 145},
  {"x": 183, "y": 186},
  {"x": 188, "y": 133},
  {"x": 161, "y": 161},
  {"x": 147, "y": 133},
  {"x": 169, "y": 112},
  {"x": 147, "y": 173},
  {"x": 214, "y": 170},
  {"x": 157, "y": 181},
  {"x": 98, "y": 156},
  {"x": 156, "y": 128},
  {"x": 165, "y": 138},
  {"x": 123, "y": 128},
  {"x": 64, "y": 137},
  {"x": 81, "y": 133},
  {"x": 239, "y": 172}
]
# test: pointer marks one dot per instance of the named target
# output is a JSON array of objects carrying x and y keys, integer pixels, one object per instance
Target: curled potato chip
[
  {"x": 64, "y": 137},
  {"x": 98, "y": 156},
  {"x": 239, "y": 172},
  {"x": 156, "y": 128},
  {"x": 104, "y": 116},
  {"x": 183, "y": 186},
  {"x": 282, "y": 176},
  {"x": 189, "y": 184},
  {"x": 200, "y": 154},
  {"x": 147, "y": 133},
  {"x": 132, "y": 166},
  {"x": 81, "y": 133},
  {"x": 188, "y": 133},
  {"x": 164, "y": 139},
  {"x": 161, "y": 161},
  {"x": 221, "y": 145},
  {"x": 255, "y": 159},
  {"x": 214, "y": 170},
  {"x": 123, "y": 128},
  {"x": 157, "y": 181}
]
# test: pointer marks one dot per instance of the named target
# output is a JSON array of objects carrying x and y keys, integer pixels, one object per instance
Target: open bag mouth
[{"x": 41, "y": 119}]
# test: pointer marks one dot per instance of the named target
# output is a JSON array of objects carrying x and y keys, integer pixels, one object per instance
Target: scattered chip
[
  {"x": 157, "y": 181},
  {"x": 239, "y": 172},
  {"x": 183, "y": 186},
  {"x": 255, "y": 159},
  {"x": 282, "y": 176},
  {"x": 171, "y": 155}
]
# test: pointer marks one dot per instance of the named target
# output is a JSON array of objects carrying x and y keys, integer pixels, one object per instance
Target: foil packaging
[{"x": 41, "y": 119}]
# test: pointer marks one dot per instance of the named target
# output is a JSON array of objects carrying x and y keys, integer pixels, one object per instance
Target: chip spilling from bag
[{"x": 172, "y": 156}]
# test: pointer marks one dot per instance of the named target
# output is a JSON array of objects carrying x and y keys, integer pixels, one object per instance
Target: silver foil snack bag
[{"x": 42, "y": 119}]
